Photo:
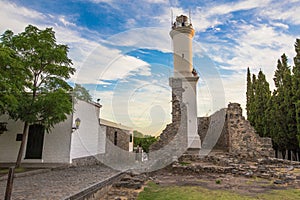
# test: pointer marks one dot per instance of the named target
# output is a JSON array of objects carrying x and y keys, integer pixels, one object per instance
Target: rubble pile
[{"x": 281, "y": 171}]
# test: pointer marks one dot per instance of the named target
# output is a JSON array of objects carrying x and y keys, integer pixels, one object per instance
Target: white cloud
[
  {"x": 280, "y": 25},
  {"x": 235, "y": 88},
  {"x": 158, "y": 1},
  {"x": 109, "y": 64},
  {"x": 235, "y": 6},
  {"x": 101, "y": 1},
  {"x": 164, "y": 19},
  {"x": 216, "y": 14},
  {"x": 211, "y": 15},
  {"x": 287, "y": 11},
  {"x": 213, "y": 97},
  {"x": 16, "y": 18},
  {"x": 92, "y": 60},
  {"x": 65, "y": 22},
  {"x": 258, "y": 47},
  {"x": 148, "y": 37},
  {"x": 250, "y": 44},
  {"x": 104, "y": 83},
  {"x": 143, "y": 104},
  {"x": 130, "y": 23}
]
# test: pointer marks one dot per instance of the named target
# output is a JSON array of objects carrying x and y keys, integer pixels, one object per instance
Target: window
[
  {"x": 130, "y": 138},
  {"x": 116, "y": 138},
  {"x": 19, "y": 137}
]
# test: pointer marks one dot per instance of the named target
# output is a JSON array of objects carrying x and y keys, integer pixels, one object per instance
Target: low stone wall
[
  {"x": 268, "y": 168},
  {"x": 98, "y": 190},
  {"x": 85, "y": 161}
]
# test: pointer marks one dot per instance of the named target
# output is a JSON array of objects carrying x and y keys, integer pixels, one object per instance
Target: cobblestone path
[{"x": 58, "y": 183}]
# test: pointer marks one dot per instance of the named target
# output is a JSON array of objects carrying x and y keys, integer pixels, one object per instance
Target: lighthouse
[{"x": 185, "y": 78}]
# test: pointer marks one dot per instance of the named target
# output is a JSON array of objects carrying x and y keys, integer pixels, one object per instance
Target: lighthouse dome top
[
  {"x": 181, "y": 21},
  {"x": 182, "y": 25}
]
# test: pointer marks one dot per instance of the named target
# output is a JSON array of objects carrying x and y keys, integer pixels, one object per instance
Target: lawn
[
  {"x": 157, "y": 192},
  {"x": 4, "y": 171}
]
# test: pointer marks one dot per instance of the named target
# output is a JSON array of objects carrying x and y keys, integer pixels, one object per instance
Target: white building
[{"x": 64, "y": 143}]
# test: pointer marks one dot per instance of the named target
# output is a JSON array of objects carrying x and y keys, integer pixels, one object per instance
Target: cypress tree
[
  {"x": 284, "y": 107},
  {"x": 249, "y": 93},
  {"x": 252, "y": 103},
  {"x": 262, "y": 96},
  {"x": 270, "y": 127},
  {"x": 296, "y": 87},
  {"x": 277, "y": 115}
]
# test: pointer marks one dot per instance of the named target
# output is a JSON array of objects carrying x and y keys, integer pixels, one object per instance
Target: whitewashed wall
[
  {"x": 56, "y": 148},
  {"x": 87, "y": 140},
  {"x": 61, "y": 145},
  {"x": 57, "y": 143},
  {"x": 8, "y": 145},
  {"x": 189, "y": 97},
  {"x": 102, "y": 139}
]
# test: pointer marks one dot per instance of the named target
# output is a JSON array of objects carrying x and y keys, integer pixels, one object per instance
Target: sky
[{"x": 122, "y": 50}]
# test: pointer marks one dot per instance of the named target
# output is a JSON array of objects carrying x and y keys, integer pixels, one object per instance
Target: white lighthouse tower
[{"x": 182, "y": 34}]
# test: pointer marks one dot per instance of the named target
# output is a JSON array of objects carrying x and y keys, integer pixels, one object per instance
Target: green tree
[
  {"x": 251, "y": 101},
  {"x": 277, "y": 115},
  {"x": 249, "y": 93},
  {"x": 262, "y": 96},
  {"x": 284, "y": 107},
  {"x": 46, "y": 98},
  {"x": 81, "y": 93},
  {"x": 298, "y": 120},
  {"x": 11, "y": 80},
  {"x": 144, "y": 141},
  {"x": 138, "y": 134},
  {"x": 296, "y": 86}
]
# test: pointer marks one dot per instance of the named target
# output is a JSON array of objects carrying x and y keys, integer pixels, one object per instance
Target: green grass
[
  {"x": 184, "y": 163},
  {"x": 17, "y": 170},
  {"x": 290, "y": 194},
  {"x": 157, "y": 192}
]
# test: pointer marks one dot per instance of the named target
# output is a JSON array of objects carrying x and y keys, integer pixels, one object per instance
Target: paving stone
[{"x": 57, "y": 184}]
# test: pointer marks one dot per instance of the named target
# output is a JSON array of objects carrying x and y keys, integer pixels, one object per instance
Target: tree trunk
[
  {"x": 289, "y": 155},
  {"x": 283, "y": 152},
  {"x": 276, "y": 153},
  {"x": 294, "y": 155},
  {"x": 21, "y": 150}
]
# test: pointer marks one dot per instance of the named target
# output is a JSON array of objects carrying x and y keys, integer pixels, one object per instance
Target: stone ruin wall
[
  {"x": 238, "y": 136},
  {"x": 173, "y": 140},
  {"x": 178, "y": 119},
  {"x": 243, "y": 139}
]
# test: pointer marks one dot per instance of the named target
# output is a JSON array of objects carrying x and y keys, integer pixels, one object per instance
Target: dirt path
[
  {"x": 217, "y": 172},
  {"x": 237, "y": 184}
]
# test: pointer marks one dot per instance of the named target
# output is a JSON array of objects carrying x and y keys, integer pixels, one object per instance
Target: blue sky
[{"x": 123, "y": 53}]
